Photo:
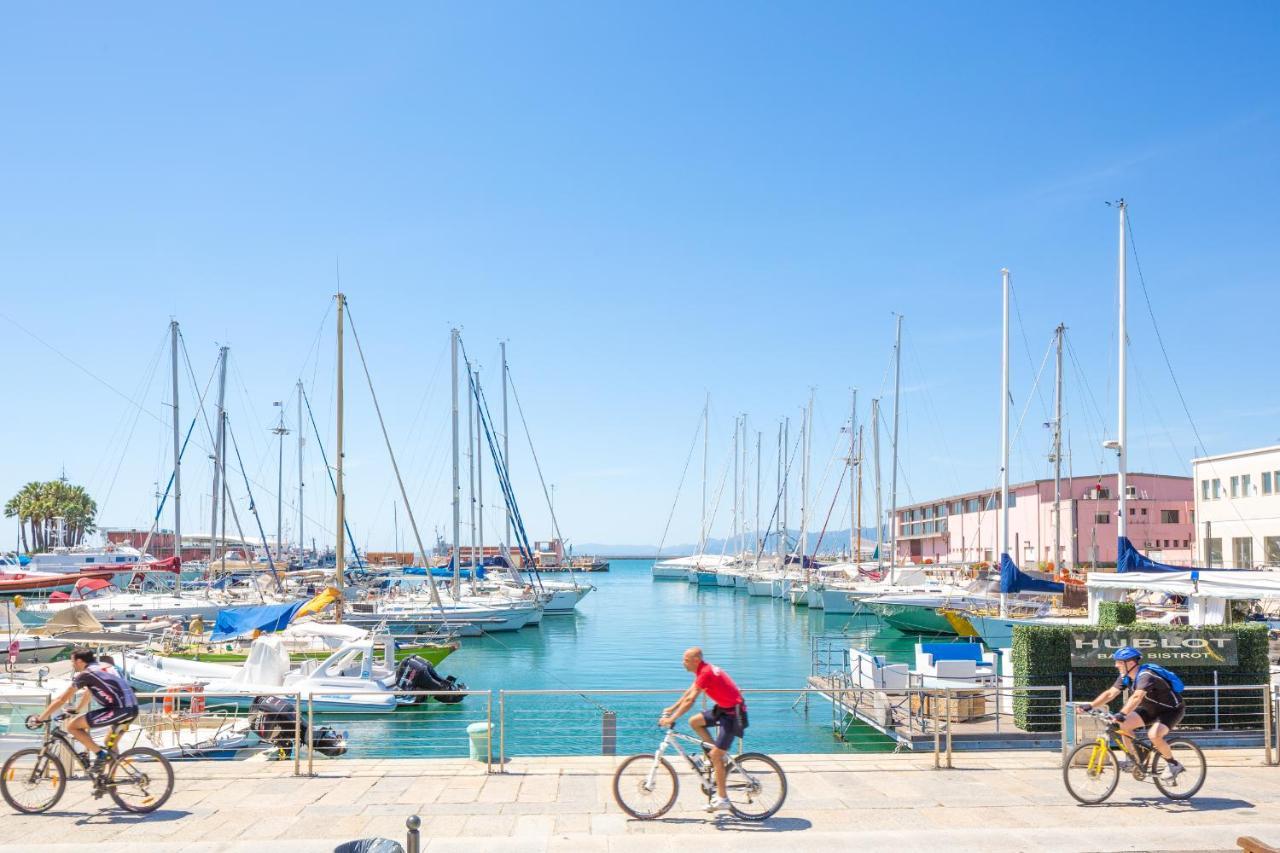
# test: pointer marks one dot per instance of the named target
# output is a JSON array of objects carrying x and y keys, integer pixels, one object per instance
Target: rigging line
[
  {"x": 253, "y": 508},
  {"x": 1160, "y": 338},
  {"x": 515, "y": 395},
  {"x": 1095, "y": 444},
  {"x": 435, "y": 591},
  {"x": 680, "y": 486},
  {"x": 1026, "y": 343},
  {"x": 333, "y": 485},
  {"x": 137, "y": 415},
  {"x": 937, "y": 422},
  {"x": 777, "y": 507},
  {"x": 830, "y": 510},
  {"x": 95, "y": 377}
]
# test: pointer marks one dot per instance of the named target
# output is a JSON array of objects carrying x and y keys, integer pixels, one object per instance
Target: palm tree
[{"x": 38, "y": 505}]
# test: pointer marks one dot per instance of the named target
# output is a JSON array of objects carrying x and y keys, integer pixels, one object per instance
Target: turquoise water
[{"x": 630, "y": 633}]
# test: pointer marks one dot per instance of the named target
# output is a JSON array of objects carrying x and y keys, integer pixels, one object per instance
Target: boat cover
[
  {"x": 1222, "y": 583},
  {"x": 241, "y": 621},
  {"x": 1013, "y": 579},
  {"x": 75, "y": 618},
  {"x": 1130, "y": 559}
]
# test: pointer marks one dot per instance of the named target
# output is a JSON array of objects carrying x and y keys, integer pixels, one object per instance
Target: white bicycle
[{"x": 646, "y": 786}]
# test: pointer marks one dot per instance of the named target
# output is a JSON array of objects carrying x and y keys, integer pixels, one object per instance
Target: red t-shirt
[{"x": 717, "y": 684}]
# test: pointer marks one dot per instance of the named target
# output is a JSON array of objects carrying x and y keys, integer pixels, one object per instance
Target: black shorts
[
  {"x": 728, "y": 723},
  {"x": 100, "y": 717},
  {"x": 1154, "y": 714}
]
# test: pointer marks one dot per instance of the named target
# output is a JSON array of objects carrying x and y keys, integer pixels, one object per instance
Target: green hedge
[
  {"x": 1112, "y": 614},
  {"x": 1042, "y": 658}
]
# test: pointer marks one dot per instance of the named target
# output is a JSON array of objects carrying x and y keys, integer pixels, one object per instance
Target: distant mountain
[{"x": 832, "y": 542}]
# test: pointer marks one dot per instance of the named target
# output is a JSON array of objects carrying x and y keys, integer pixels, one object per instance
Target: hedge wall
[
  {"x": 1042, "y": 658},
  {"x": 1112, "y": 614}
]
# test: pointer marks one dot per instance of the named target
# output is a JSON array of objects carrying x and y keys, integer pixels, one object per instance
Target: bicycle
[
  {"x": 1092, "y": 772},
  {"x": 649, "y": 779},
  {"x": 32, "y": 781}
]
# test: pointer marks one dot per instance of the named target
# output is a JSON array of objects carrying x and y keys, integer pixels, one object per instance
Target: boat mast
[
  {"x": 457, "y": 486},
  {"x": 853, "y": 447},
  {"x": 506, "y": 443},
  {"x": 706, "y": 409},
  {"x": 786, "y": 487},
  {"x": 1057, "y": 453},
  {"x": 1122, "y": 427},
  {"x": 301, "y": 441},
  {"x": 219, "y": 431},
  {"x": 177, "y": 448},
  {"x": 756, "y": 547},
  {"x": 340, "y": 552},
  {"x": 1004, "y": 435},
  {"x": 471, "y": 469},
  {"x": 479, "y": 454},
  {"x": 893, "y": 487},
  {"x": 875, "y": 453},
  {"x": 858, "y": 516},
  {"x": 779, "y": 545},
  {"x": 281, "y": 432},
  {"x": 737, "y": 535},
  {"x": 805, "y": 508}
]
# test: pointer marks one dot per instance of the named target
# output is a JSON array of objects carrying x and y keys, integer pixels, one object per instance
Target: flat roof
[
  {"x": 980, "y": 493},
  {"x": 1237, "y": 454}
]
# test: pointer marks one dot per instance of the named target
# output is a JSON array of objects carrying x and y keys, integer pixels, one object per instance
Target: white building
[{"x": 1238, "y": 509}]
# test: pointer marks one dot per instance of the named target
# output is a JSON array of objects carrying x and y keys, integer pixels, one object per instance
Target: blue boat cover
[
  {"x": 1013, "y": 579},
  {"x": 239, "y": 621},
  {"x": 1130, "y": 559},
  {"x": 442, "y": 572}
]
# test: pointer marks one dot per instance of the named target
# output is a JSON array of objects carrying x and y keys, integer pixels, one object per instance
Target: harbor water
[{"x": 629, "y": 634}]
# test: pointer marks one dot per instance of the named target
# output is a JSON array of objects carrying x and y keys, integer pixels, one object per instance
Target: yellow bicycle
[{"x": 1092, "y": 770}]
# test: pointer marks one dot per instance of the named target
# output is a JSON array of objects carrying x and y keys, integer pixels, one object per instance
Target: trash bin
[{"x": 478, "y": 735}]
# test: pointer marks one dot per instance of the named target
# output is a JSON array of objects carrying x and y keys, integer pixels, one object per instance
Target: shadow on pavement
[
  {"x": 773, "y": 824},
  {"x": 119, "y": 817},
  {"x": 1195, "y": 804}
]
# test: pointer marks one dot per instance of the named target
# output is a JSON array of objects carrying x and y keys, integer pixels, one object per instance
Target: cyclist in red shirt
[{"x": 728, "y": 714}]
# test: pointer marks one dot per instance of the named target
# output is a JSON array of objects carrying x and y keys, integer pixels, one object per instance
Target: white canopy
[
  {"x": 699, "y": 561},
  {"x": 1218, "y": 584}
]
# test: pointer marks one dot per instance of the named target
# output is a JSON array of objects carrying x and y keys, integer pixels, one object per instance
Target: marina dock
[{"x": 1006, "y": 801}]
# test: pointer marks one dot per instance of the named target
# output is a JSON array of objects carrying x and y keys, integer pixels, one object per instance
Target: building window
[
  {"x": 1168, "y": 516},
  {"x": 1242, "y": 552},
  {"x": 1102, "y": 518},
  {"x": 1266, "y": 482},
  {"x": 973, "y": 505},
  {"x": 1144, "y": 510},
  {"x": 1217, "y": 488},
  {"x": 1013, "y": 499},
  {"x": 1204, "y": 490},
  {"x": 1235, "y": 487},
  {"x": 1246, "y": 485},
  {"x": 1213, "y": 551},
  {"x": 1132, "y": 510},
  {"x": 1271, "y": 550},
  {"x": 957, "y": 507}
]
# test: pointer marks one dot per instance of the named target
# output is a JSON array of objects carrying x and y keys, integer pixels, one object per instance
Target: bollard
[
  {"x": 311, "y": 734},
  {"x": 1267, "y": 722},
  {"x": 609, "y": 740},
  {"x": 949, "y": 728},
  {"x": 297, "y": 735},
  {"x": 413, "y": 840}
]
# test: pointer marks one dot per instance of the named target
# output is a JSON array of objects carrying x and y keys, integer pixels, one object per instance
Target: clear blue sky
[{"x": 649, "y": 202}]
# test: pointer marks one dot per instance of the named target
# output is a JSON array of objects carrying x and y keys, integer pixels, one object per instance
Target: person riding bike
[
  {"x": 728, "y": 714},
  {"x": 114, "y": 695},
  {"x": 1154, "y": 702}
]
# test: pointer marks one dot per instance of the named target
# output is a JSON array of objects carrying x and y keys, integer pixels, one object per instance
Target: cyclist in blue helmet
[{"x": 1153, "y": 702}]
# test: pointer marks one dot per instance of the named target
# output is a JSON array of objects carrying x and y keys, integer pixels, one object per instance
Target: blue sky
[{"x": 649, "y": 202}]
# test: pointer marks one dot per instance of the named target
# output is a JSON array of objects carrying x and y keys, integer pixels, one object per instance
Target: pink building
[{"x": 963, "y": 528}]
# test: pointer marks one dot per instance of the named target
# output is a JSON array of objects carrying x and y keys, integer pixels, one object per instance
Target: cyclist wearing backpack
[{"x": 1155, "y": 701}]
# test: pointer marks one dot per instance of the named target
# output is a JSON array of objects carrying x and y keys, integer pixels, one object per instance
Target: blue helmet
[{"x": 1128, "y": 653}]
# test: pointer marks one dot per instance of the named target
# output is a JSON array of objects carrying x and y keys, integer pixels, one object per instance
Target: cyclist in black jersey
[{"x": 114, "y": 695}]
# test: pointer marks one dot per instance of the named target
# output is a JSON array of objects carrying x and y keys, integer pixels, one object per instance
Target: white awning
[{"x": 1221, "y": 584}]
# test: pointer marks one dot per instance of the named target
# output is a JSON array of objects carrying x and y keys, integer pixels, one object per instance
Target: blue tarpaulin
[
  {"x": 1013, "y": 579},
  {"x": 1130, "y": 559},
  {"x": 442, "y": 572},
  {"x": 239, "y": 621}
]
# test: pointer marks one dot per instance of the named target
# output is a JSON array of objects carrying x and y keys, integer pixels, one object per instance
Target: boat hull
[{"x": 912, "y": 619}]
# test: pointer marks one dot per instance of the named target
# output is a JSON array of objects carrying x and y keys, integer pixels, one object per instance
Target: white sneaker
[
  {"x": 718, "y": 804},
  {"x": 1172, "y": 772}
]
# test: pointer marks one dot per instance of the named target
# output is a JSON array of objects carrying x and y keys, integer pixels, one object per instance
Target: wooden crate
[{"x": 965, "y": 705}]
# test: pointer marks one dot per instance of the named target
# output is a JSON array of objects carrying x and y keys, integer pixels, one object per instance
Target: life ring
[{"x": 173, "y": 698}]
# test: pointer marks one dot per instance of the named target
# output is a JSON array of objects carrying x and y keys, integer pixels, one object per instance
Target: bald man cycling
[{"x": 728, "y": 714}]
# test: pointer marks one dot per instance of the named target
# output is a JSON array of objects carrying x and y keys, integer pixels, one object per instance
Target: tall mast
[
  {"x": 756, "y": 534},
  {"x": 506, "y": 443},
  {"x": 1057, "y": 453},
  {"x": 177, "y": 448},
  {"x": 893, "y": 487},
  {"x": 858, "y": 514},
  {"x": 479, "y": 480},
  {"x": 1004, "y": 433},
  {"x": 340, "y": 552},
  {"x": 737, "y": 423},
  {"x": 778, "y": 544},
  {"x": 1122, "y": 427},
  {"x": 706, "y": 410},
  {"x": 786, "y": 486},
  {"x": 301, "y": 442},
  {"x": 219, "y": 431},
  {"x": 457, "y": 485},
  {"x": 875, "y": 453},
  {"x": 853, "y": 461},
  {"x": 471, "y": 464},
  {"x": 806, "y": 509},
  {"x": 280, "y": 432}
]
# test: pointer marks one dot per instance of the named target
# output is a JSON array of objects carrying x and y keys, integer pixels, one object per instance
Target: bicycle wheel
[
  {"x": 643, "y": 789},
  {"x": 756, "y": 786},
  {"x": 1091, "y": 773},
  {"x": 140, "y": 780},
  {"x": 32, "y": 781},
  {"x": 1189, "y": 780}
]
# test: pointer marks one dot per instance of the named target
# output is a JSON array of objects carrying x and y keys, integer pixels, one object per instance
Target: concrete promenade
[{"x": 990, "y": 801}]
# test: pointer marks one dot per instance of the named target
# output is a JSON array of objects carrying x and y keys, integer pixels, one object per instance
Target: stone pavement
[{"x": 991, "y": 801}]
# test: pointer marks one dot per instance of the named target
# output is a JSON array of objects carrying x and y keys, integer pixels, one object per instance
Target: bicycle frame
[
  {"x": 672, "y": 740},
  {"x": 1140, "y": 754}
]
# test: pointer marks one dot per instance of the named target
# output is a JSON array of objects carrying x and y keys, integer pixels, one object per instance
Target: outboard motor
[
  {"x": 417, "y": 674},
  {"x": 273, "y": 718}
]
